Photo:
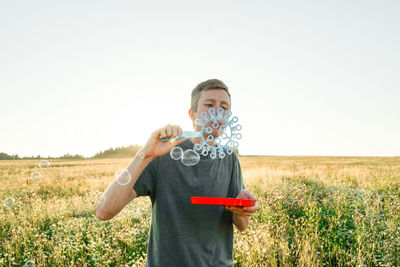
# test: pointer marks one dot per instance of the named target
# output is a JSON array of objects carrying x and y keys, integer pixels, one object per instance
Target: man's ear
[{"x": 191, "y": 114}]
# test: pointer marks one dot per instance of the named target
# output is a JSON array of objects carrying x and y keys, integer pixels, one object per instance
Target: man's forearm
[
  {"x": 117, "y": 196},
  {"x": 241, "y": 222}
]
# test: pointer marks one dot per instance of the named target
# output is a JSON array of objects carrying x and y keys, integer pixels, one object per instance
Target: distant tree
[
  {"x": 118, "y": 152},
  {"x": 69, "y": 156},
  {"x": 4, "y": 156}
]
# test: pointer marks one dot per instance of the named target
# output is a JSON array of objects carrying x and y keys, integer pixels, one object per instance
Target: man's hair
[{"x": 204, "y": 86}]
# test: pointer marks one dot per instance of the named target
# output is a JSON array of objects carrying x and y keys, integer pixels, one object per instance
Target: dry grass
[{"x": 313, "y": 211}]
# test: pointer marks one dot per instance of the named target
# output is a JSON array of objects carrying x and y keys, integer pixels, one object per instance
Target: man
[{"x": 183, "y": 234}]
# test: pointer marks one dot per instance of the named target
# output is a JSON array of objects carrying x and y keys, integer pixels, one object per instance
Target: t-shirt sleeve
[
  {"x": 236, "y": 184},
  {"x": 146, "y": 183}
]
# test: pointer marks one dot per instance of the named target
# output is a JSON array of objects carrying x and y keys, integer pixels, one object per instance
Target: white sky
[{"x": 306, "y": 77}]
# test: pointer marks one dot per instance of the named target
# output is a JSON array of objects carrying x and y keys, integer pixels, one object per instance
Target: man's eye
[{"x": 209, "y": 105}]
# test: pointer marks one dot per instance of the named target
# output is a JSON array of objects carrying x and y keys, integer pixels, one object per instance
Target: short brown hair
[{"x": 204, "y": 86}]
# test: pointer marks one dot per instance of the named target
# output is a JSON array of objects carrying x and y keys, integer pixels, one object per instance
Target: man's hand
[
  {"x": 241, "y": 215},
  {"x": 117, "y": 196},
  {"x": 154, "y": 147}
]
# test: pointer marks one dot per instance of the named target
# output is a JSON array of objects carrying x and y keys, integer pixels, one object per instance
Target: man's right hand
[{"x": 154, "y": 147}]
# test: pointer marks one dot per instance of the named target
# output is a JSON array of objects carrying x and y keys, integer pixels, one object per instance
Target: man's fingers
[
  {"x": 175, "y": 131},
  {"x": 180, "y": 131},
  {"x": 163, "y": 133},
  {"x": 168, "y": 130},
  {"x": 243, "y": 211}
]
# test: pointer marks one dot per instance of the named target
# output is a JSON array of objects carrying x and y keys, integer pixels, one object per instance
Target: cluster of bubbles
[
  {"x": 229, "y": 133},
  {"x": 215, "y": 147},
  {"x": 188, "y": 158},
  {"x": 36, "y": 177}
]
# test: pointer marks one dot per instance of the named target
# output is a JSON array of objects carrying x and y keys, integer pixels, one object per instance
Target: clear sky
[{"x": 306, "y": 77}]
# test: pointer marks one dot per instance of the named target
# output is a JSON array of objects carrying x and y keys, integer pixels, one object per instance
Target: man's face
[{"x": 212, "y": 98}]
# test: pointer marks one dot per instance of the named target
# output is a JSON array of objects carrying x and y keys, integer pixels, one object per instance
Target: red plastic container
[{"x": 223, "y": 201}]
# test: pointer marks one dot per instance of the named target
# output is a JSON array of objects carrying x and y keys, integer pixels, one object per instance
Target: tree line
[{"x": 118, "y": 152}]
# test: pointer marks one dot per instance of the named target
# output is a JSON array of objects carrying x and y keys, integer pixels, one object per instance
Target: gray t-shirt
[{"x": 183, "y": 234}]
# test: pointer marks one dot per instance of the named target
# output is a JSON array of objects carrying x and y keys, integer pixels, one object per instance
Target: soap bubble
[
  {"x": 228, "y": 113},
  {"x": 9, "y": 202},
  {"x": 30, "y": 263},
  {"x": 213, "y": 155},
  {"x": 197, "y": 147},
  {"x": 238, "y": 127},
  {"x": 190, "y": 157},
  {"x": 36, "y": 176},
  {"x": 176, "y": 153},
  {"x": 123, "y": 177},
  {"x": 238, "y": 136},
  {"x": 44, "y": 164},
  {"x": 204, "y": 152},
  {"x": 100, "y": 197},
  {"x": 198, "y": 122},
  {"x": 204, "y": 115}
]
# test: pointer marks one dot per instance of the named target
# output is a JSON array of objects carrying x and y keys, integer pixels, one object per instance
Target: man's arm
[
  {"x": 241, "y": 215},
  {"x": 118, "y": 196}
]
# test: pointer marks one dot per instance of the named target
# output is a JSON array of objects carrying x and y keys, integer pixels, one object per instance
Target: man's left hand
[{"x": 244, "y": 211}]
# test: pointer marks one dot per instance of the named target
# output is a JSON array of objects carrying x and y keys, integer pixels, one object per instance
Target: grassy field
[{"x": 313, "y": 211}]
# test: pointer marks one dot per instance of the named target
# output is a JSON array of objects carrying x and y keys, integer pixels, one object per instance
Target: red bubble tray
[{"x": 222, "y": 201}]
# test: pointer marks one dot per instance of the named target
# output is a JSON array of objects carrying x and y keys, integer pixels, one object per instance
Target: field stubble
[{"x": 313, "y": 211}]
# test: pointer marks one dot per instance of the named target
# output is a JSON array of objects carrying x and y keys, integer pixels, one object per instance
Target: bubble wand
[{"x": 223, "y": 143}]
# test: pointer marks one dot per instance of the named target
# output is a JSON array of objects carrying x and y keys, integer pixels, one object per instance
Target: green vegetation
[{"x": 313, "y": 211}]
